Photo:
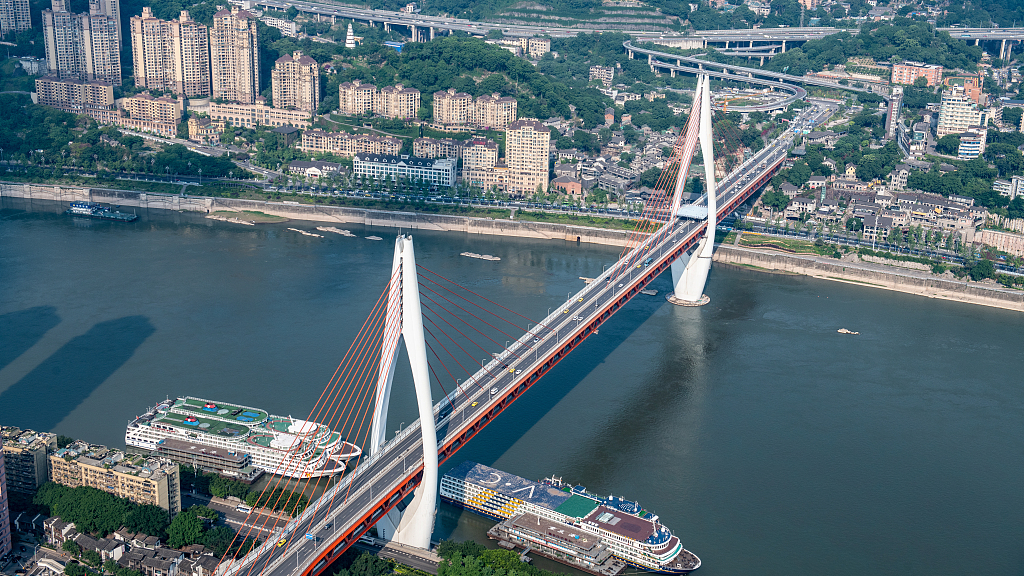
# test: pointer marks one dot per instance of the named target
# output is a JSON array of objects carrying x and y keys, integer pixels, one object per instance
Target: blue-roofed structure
[{"x": 510, "y": 485}]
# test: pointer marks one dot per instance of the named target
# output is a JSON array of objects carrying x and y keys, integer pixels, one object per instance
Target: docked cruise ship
[
  {"x": 567, "y": 523},
  {"x": 275, "y": 444}
]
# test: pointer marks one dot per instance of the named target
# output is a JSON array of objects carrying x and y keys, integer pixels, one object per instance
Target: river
[{"x": 769, "y": 442}]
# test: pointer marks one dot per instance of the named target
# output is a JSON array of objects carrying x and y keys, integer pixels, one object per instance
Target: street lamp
[{"x": 200, "y": 176}]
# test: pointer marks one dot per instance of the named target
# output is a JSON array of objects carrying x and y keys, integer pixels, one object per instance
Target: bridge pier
[
  {"x": 783, "y": 45},
  {"x": 431, "y": 33},
  {"x": 690, "y": 271},
  {"x": 415, "y": 38}
]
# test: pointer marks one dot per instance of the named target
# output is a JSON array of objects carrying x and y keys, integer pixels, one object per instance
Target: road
[
  {"x": 745, "y": 74},
  {"x": 348, "y": 509},
  {"x": 239, "y": 521}
]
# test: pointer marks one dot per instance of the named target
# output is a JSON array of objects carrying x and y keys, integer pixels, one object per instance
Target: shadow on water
[
  {"x": 20, "y": 330},
  {"x": 51, "y": 391}
]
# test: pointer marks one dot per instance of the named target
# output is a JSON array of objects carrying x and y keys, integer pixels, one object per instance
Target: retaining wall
[
  {"x": 906, "y": 281},
  {"x": 321, "y": 213}
]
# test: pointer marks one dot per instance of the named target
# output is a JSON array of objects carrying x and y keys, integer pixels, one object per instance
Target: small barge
[{"x": 91, "y": 210}]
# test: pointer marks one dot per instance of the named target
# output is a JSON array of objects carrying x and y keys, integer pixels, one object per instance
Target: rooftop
[{"x": 510, "y": 485}]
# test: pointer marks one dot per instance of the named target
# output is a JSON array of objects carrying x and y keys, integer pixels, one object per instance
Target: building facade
[
  {"x": 258, "y": 114},
  {"x": 146, "y": 113},
  {"x": 5, "y": 512},
  {"x": 603, "y": 73},
  {"x": 908, "y": 72},
  {"x": 14, "y": 16},
  {"x": 83, "y": 46},
  {"x": 892, "y": 116},
  {"x": 387, "y": 167},
  {"x": 972, "y": 143},
  {"x": 479, "y": 154},
  {"x": 437, "y": 148},
  {"x": 234, "y": 56},
  {"x": 171, "y": 55},
  {"x": 957, "y": 113},
  {"x": 345, "y": 144},
  {"x": 75, "y": 96},
  {"x": 204, "y": 130},
  {"x": 296, "y": 82},
  {"x": 25, "y": 458},
  {"x": 527, "y": 143},
  {"x": 141, "y": 479}
]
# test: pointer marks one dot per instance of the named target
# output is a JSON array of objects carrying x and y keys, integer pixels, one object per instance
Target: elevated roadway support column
[
  {"x": 690, "y": 272},
  {"x": 414, "y": 525}
]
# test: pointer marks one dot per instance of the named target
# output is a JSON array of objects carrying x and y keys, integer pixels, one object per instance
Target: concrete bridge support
[
  {"x": 690, "y": 272},
  {"x": 404, "y": 319}
]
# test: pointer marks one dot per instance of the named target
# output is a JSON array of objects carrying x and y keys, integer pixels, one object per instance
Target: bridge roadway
[
  {"x": 348, "y": 509},
  {"x": 745, "y": 74}
]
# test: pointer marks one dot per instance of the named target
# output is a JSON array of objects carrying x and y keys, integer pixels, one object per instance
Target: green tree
[
  {"x": 982, "y": 269},
  {"x": 921, "y": 82},
  {"x": 148, "y": 519},
  {"x": 92, "y": 558},
  {"x": 64, "y": 441},
  {"x": 218, "y": 539},
  {"x": 185, "y": 529},
  {"x": 948, "y": 144},
  {"x": 71, "y": 547}
]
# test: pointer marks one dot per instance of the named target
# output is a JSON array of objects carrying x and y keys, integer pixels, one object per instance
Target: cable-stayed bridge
[{"x": 424, "y": 309}]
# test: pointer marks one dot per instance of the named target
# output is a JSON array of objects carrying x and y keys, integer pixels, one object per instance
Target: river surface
[{"x": 769, "y": 442}]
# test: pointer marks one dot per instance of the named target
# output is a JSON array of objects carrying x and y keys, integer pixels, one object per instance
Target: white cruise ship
[
  {"x": 630, "y": 533},
  {"x": 276, "y": 444}
]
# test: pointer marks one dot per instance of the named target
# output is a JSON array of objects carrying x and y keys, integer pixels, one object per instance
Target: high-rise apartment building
[
  {"x": 171, "y": 55},
  {"x": 234, "y": 56},
  {"x": 141, "y": 479},
  {"x": 452, "y": 108},
  {"x": 494, "y": 111},
  {"x": 14, "y": 16},
  {"x": 458, "y": 108},
  {"x": 5, "y": 512},
  {"x": 355, "y": 98},
  {"x": 296, "y": 82},
  {"x": 398, "y": 102},
  {"x": 527, "y": 143},
  {"x": 957, "y": 113},
  {"x": 907, "y": 72},
  {"x": 892, "y": 117},
  {"x": 25, "y": 458},
  {"x": 83, "y": 46}
]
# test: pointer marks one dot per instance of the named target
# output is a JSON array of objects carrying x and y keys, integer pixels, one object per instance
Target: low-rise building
[
  {"x": 605, "y": 74},
  {"x": 258, "y": 114},
  {"x": 204, "y": 130},
  {"x": 209, "y": 458},
  {"x": 148, "y": 114},
  {"x": 143, "y": 480},
  {"x": 1003, "y": 241},
  {"x": 972, "y": 143},
  {"x": 436, "y": 148},
  {"x": 568, "y": 185},
  {"x": 25, "y": 458},
  {"x": 436, "y": 171},
  {"x": 313, "y": 169},
  {"x": 345, "y": 144},
  {"x": 93, "y": 98},
  {"x": 908, "y": 72}
]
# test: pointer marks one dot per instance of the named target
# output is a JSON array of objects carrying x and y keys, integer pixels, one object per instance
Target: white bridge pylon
[
  {"x": 404, "y": 318},
  {"x": 690, "y": 271}
]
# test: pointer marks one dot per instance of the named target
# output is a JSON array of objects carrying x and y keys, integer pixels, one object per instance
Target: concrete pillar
[
  {"x": 783, "y": 45},
  {"x": 387, "y": 27},
  {"x": 630, "y": 54},
  {"x": 726, "y": 44},
  {"x": 673, "y": 72},
  {"x": 414, "y": 37},
  {"x": 679, "y": 62},
  {"x": 431, "y": 33},
  {"x": 975, "y": 41},
  {"x": 1002, "y": 48}
]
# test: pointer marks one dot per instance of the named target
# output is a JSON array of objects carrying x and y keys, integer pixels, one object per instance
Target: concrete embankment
[
  {"x": 321, "y": 213},
  {"x": 873, "y": 275}
]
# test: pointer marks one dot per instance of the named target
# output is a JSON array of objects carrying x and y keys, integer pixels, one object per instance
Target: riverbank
[
  {"x": 921, "y": 283},
  {"x": 320, "y": 213}
]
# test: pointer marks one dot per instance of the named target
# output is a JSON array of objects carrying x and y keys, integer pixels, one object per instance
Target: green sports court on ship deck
[{"x": 275, "y": 444}]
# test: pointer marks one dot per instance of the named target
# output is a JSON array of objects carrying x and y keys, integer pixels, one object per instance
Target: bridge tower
[
  {"x": 690, "y": 272},
  {"x": 404, "y": 318}
]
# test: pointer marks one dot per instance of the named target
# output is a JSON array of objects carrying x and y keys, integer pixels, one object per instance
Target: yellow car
[
  {"x": 565, "y": 311},
  {"x": 281, "y": 542}
]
